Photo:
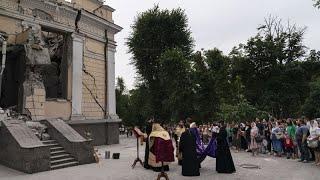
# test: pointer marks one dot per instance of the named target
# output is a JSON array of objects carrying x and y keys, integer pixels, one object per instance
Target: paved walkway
[{"x": 109, "y": 169}]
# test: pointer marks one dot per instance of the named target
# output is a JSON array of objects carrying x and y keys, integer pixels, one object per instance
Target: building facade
[{"x": 60, "y": 63}]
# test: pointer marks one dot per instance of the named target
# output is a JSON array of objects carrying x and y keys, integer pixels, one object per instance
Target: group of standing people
[
  {"x": 190, "y": 150},
  {"x": 287, "y": 137}
]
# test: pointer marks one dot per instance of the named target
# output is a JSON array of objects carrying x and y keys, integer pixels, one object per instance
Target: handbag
[
  {"x": 265, "y": 142},
  {"x": 313, "y": 143}
]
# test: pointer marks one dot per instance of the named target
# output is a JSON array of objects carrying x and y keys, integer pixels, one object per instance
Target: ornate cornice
[
  {"x": 99, "y": 2},
  {"x": 61, "y": 17}
]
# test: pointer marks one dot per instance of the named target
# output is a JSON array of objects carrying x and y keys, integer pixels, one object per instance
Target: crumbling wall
[
  {"x": 54, "y": 75},
  {"x": 93, "y": 98},
  {"x": 32, "y": 93},
  {"x": 88, "y": 5},
  {"x": 10, "y": 26},
  {"x": 94, "y": 6},
  {"x": 35, "y": 98},
  {"x": 12, "y": 78}
]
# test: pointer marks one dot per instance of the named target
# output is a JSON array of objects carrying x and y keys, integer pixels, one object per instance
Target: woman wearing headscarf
[
  {"x": 313, "y": 139},
  {"x": 317, "y": 150},
  {"x": 224, "y": 161},
  {"x": 254, "y": 134},
  {"x": 276, "y": 138}
]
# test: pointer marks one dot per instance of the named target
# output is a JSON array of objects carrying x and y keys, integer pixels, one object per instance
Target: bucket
[
  {"x": 115, "y": 155},
  {"x": 107, "y": 155}
]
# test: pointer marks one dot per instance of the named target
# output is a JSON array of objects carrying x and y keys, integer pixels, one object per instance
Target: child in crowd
[{"x": 288, "y": 145}]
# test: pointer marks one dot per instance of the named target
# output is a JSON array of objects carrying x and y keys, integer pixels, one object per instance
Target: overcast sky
[{"x": 215, "y": 23}]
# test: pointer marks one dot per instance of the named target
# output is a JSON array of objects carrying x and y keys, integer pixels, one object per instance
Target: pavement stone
[{"x": 271, "y": 168}]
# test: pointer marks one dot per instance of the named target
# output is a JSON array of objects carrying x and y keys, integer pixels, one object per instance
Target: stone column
[
  {"x": 112, "y": 119},
  {"x": 77, "y": 62},
  {"x": 111, "y": 94}
]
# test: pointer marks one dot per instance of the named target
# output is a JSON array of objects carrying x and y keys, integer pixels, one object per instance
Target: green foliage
[
  {"x": 133, "y": 108},
  {"x": 210, "y": 77},
  {"x": 121, "y": 99},
  {"x": 154, "y": 32},
  {"x": 242, "y": 110},
  {"x": 268, "y": 75},
  {"x": 317, "y": 3},
  {"x": 311, "y": 108},
  {"x": 240, "y": 113},
  {"x": 175, "y": 76},
  {"x": 270, "y": 65}
]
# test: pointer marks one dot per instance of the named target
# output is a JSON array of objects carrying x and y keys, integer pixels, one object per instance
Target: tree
[
  {"x": 311, "y": 108},
  {"x": 269, "y": 66},
  {"x": 242, "y": 110},
  {"x": 122, "y": 100},
  {"x": 175, "y": 75},
  {"x": 120, "y": 85},
  {"x": 311, "y": 65},
  {"x": 270, "y": 74},
  {"x": 139, "y": 108},
  {"x": 211, "y": 82},
  {"x": 133, "y": 106},
  {"x": 317, "y": 3},
  {"x": 154, "y": 32}
]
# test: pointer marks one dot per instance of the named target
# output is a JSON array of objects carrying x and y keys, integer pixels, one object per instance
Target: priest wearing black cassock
[
  {"x": 224, "y": 161},
  {"x": 146, "y": 155},
  {"x": 190, "y": 162}
]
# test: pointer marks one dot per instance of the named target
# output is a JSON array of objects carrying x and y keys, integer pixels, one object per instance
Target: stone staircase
[{"x": 59, "y": 158}]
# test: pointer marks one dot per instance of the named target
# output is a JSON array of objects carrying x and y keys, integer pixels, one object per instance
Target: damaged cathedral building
[{"x": 57, "y": 95}]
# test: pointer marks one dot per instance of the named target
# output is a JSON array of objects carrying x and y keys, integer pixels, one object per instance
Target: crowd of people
[
  {"x": 291, "y": 138},
  {"x": 190, "y": 149}
]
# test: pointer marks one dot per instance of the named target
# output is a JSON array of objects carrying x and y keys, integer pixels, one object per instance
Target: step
[
  {"x": 54, "y": 153},
  {"x": 61, "y": 161},
  {"x": 60, "y": 156},
  {"x": 49, "y": 141},
  {"x": 64, "y": 165},
  {"x": 58, "y": 148},
  {"x": 53, "y": 144}
]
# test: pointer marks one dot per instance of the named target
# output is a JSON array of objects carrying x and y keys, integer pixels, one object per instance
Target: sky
[{"x": 215, "y": 23}]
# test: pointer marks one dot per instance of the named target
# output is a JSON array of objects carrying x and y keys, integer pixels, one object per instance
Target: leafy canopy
[{"x": 155, "y": 34}]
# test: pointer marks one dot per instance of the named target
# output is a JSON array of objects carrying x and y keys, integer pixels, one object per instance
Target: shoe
[
  {"x": 300, "y": 160},
  {"x": 305, "y": 161}
]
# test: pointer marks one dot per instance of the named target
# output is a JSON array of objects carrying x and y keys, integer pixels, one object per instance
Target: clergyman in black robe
[
  {"x": 224, "y": 161},
  {"x": 190, "y": 162},
  {"x": 146, "y": 154}
]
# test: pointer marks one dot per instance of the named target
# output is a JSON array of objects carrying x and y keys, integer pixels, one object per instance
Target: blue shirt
[{"x": 302, "y": 130}]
